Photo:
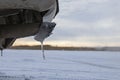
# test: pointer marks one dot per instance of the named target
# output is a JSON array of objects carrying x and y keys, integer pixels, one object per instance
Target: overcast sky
[{"x": 85, "y": 23}]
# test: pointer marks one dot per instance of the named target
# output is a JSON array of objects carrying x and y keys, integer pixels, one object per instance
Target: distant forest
[{"x": 49, "y": 47}]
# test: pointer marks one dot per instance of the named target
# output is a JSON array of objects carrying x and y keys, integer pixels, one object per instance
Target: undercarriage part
[
  {"x": 20, "y": 23},
  {"x": 8, "y": 12},
  {"x": 8, "y": 42},
  {"x": 20, "y": 16},
  {"x": 18, "y": 30},
  {"x": 17, "y": 23},
  {"x": 5, "y": 43}
]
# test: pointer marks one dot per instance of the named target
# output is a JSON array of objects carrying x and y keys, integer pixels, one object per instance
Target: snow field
[{"x": 61, "y": 65}]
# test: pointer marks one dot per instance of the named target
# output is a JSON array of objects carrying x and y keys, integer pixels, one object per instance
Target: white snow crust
[{"x": 60, "y": 65}]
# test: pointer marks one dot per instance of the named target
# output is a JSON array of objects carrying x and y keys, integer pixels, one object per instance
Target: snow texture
[{"x": 60, "y": 65}]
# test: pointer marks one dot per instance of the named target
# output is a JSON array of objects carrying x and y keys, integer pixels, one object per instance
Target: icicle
[
  {"x": 42, "y": 49},
  {"x": 45, "y": 31},
  {"x": 1, "y": 52}
]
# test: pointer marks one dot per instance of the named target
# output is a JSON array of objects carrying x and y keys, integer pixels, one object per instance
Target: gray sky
[{"x": 86, "y": 23}]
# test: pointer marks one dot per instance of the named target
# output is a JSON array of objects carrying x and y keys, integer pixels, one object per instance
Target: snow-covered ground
[{"x": 61, "y": 65}]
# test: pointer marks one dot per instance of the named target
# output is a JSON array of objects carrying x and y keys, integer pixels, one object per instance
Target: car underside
[{"x": 22, "y": 22}]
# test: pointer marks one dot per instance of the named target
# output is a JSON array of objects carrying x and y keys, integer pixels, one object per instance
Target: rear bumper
[{"x": 37, "y": 5}]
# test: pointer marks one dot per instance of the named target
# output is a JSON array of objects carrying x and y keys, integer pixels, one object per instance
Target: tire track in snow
[{"x": 87, "y": 63}]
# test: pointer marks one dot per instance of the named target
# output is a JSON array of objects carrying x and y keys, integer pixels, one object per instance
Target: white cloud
[{"x": 72, "y": 6}]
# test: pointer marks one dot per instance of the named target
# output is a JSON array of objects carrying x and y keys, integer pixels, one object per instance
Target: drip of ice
[
  {"x": 45, "y": 31},
  {"x": 42, "y": 49},
  {"x": 1, "y": 52},
  {"x": 1, "y": 46}
]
